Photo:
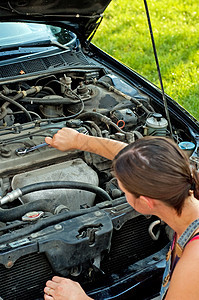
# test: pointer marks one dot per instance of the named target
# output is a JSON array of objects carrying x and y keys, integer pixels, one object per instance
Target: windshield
[{"x": 22, "y": 33}]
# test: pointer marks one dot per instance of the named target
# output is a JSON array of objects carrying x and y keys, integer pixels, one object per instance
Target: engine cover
[{"x": 73, "y": 170}]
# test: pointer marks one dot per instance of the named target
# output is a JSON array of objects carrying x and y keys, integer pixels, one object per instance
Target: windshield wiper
[{"x": 45, "y": 43}]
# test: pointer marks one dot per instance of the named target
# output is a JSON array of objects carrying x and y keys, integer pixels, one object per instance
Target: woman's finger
[
  {"x": 58, "y": 279},
  {"x": 49, "y": 292},
  {"x": 47, "y": 297},
  {"x": 51, "y": 284}
]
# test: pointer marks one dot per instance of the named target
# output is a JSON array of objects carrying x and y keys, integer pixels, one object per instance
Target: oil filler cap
[{"x": 32, "y": 216}]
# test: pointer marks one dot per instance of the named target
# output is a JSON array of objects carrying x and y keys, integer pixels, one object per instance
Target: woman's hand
[
  {"x": 60, "y": 288},
  {"x": 70, "y": 139},
  {"x": 65, "y": 139}
]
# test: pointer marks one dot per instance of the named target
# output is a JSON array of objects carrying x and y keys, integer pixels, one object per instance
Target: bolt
[
  {"x": 5, "y": 151},
  {"x": 58, "y": 227},
  {"x": 98, "y": 213}
]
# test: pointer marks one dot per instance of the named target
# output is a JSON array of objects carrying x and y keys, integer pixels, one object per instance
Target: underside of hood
[{"x": 81, "y": 16}]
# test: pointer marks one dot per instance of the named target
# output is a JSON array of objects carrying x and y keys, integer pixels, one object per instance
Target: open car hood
[{"x": 81, "y": 16}]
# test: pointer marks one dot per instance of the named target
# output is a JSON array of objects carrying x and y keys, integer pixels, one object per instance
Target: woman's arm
[
  {"x": 185, "y": 279},
  {"x": 70, "y": 139}
]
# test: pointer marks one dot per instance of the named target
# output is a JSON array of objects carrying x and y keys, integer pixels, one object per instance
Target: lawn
[{"x": 124, "y": 34}]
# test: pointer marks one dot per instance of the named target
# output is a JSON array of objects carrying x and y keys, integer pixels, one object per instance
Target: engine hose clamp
[
  {"x": 154, "y": 236},
  {"x": 24, "y": 94}
]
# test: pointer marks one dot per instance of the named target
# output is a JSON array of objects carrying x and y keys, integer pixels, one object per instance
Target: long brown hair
[{"x": 157, "y": 168}]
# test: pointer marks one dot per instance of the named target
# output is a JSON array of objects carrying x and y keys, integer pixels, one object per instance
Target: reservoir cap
[{"x": 188, "y": 147}]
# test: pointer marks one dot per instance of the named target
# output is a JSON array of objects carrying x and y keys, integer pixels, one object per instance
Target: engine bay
[{"x": 67, "y": 204}]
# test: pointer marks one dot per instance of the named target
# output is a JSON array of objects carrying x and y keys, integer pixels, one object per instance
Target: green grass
[{"x": 124, "y": 34}]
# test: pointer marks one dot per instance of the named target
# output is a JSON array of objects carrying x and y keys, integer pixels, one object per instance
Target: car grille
[
  {"x": 27, "y": 278},
  {"x": 132, "y": 243}
]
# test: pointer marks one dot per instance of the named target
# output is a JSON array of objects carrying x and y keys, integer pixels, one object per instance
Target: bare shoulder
[{"x": 185, "y": 279}]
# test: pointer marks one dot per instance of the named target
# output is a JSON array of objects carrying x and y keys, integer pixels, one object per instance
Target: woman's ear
[{"x": 147, "y": 201}]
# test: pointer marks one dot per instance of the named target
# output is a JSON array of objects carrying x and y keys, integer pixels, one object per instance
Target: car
[{"x": 62, "y": 213}]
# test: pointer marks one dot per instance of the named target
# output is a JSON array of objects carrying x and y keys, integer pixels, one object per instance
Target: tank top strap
[
  {"x": 186, "y": 236},
  {"x": 195, "y": 237}
]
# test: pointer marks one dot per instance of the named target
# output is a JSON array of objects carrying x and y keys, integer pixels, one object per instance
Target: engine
[{"x": 34, "y": 109}]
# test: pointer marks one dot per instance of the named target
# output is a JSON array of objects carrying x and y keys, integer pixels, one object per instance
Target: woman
[{"x": 157, "y": 179}]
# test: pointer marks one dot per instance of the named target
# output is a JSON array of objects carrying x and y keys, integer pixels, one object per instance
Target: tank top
[{"x": 186, "y": 237}]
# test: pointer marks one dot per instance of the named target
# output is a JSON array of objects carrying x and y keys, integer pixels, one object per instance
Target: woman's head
[{"x": 157, "y": 168}]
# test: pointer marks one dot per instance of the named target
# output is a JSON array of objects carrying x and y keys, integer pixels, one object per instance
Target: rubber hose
[
  {"x": 102, "y": 118},
  {"x": 7, "y": 99},
  {"x": 68, "y": 185},
  {"x": 12, "y": 214}
]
